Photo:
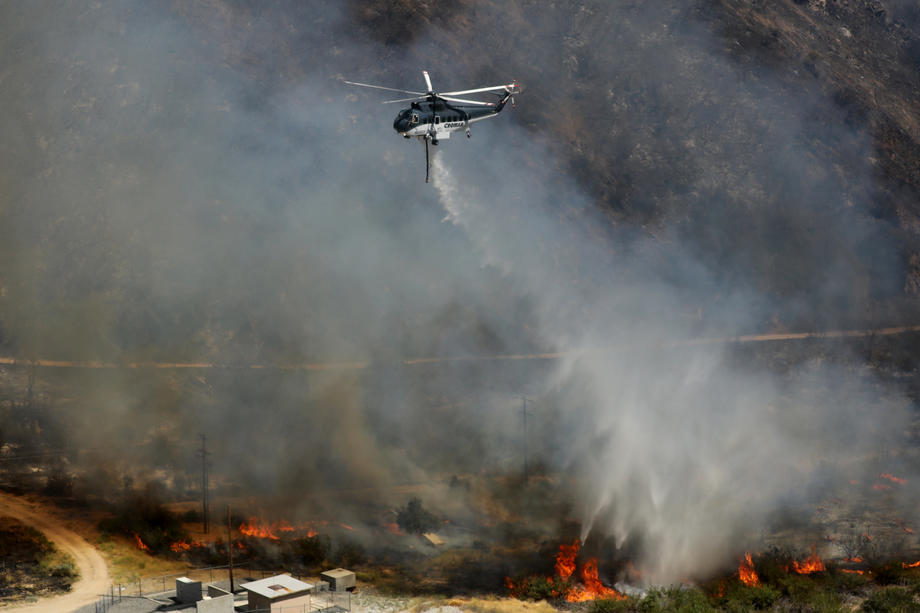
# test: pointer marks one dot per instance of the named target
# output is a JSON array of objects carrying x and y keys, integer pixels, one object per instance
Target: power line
[
  {"x": 524, "y": 413},
  {"x": 203, "y": 453}
]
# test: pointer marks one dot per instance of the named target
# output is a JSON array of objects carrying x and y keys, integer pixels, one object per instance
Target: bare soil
[{"x": 94, "y": 576}]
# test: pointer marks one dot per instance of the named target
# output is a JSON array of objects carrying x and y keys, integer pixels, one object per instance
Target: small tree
[{"x": 414, "y": 519}]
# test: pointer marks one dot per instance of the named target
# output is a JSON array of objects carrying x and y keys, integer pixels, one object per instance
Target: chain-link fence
[{"x": 164, "y": 585}]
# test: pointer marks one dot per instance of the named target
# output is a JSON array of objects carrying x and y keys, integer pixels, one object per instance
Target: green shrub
[
  {"x": 849, "y": 583},
  {"x": 688, "y": 600},
  {"x": 745, "y": 598},
  {"x": 539, "y": 588},
  {"x": 822, "y": 601},
  {"x": 891, "y": 600}
]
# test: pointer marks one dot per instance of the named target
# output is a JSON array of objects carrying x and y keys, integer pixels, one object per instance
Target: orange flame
[
  {"x": 878, "y": 487},
  {"x": 139, "y": 543},
  {"x": 593, "y": 588},
  {"x": 394, "y": 528},
  {"x": 812, "y": 564},
  {"x": 259, "y": 528},
  {"x": 852, "y": 571},
  {"x": 911, "y": 564},
  {"x": 893, "y": 479},
  {"x": 180, "y": 546},
  {"x": 746, "y": 572},
  {"x": 565, "y": 559}
]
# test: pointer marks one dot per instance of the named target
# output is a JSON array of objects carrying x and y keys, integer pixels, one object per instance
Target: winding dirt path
[{"x": 94, "y": 575}]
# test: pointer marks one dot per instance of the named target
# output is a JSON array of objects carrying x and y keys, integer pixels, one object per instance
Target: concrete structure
[
  {"x": 339, "y": 579},
  {"x": 217, "y": 601},
  {"x": 278, "y": 594},
  {"x": 187, "y": 590},
  {"x": 216, "y": 592}
]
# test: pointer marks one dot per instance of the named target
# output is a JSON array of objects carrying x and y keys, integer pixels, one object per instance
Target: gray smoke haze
[{"x": 193, "y": 183}]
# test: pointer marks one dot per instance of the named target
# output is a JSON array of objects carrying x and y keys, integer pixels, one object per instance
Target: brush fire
[
  {"x": 257, "y": 527},
  {"x": 590, "y": 588},
  {"x": 812, "y": 564},
  {"x": 746, "y": 573}
]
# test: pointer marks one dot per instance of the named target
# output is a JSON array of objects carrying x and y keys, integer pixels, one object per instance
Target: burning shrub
[
  {"x": 892, "y": 573},
  {"x": 415, "y": 519},
  {"x": 147, "y": 522},
  {"x": 536, "y": 588}
]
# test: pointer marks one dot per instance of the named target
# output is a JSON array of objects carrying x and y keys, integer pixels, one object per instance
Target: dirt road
[
  {"x": 720, "y": 340},
  {"x": 94, "y": 575}
]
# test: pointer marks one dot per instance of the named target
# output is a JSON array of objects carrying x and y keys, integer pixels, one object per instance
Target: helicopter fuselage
[{"x": 438, "y": 120}]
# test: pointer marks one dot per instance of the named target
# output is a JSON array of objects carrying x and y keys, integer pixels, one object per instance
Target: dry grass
[{"x": 127, "y": 564}]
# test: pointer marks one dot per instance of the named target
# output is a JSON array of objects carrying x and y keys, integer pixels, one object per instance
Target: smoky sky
[{"x": 194, "y": 182}]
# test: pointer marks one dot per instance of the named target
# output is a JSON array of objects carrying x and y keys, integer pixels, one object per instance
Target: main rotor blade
[
  {"x": 405, "y": 100},
  {"x": 389, "y": 89},
  {"x": 477, "y": 102},
  {"x": 428, "y": 81},
  {"x": 481, "y": 89}
]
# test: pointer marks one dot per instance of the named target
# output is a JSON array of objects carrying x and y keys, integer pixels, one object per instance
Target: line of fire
[{"x": 509, "y": 529}]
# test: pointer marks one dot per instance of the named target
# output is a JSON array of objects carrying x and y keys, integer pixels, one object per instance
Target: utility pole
[
  {"x": 230, "y": 548},
  {"x": 203, "y": 453},
  {"x": 524, "y": 413}
]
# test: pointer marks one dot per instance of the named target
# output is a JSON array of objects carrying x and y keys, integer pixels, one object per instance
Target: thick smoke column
[{"x": 674, "y": 447}]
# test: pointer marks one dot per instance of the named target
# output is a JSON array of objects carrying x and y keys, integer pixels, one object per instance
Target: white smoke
[
  {"x": 464, "y": 213},
  {"x": 674, "y": 447}
]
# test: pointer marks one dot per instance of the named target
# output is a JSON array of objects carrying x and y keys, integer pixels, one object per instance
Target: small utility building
[
  {"x": 278, "y": 593},
  {"x": 339, "y": 580}
]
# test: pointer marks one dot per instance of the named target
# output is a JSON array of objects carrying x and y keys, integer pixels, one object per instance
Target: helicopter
[{"x": 434, "y": 116}]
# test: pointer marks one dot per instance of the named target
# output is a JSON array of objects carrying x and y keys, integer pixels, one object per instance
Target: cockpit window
[{"x": 415, "y": 118}]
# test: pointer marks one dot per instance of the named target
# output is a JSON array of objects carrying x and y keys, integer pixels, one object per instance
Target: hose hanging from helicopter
[{"x": 407, "y": 124}]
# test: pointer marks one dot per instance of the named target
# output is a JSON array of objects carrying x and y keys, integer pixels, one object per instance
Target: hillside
[{"x": 193, "y": 202}]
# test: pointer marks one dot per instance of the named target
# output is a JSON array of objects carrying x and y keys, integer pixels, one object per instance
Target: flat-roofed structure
[
  {"x": 278, "y": 593},
  {"x": 339, "y": 579}
]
